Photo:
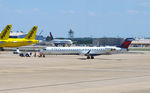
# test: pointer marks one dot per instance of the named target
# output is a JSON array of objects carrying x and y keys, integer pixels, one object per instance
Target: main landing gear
[
  {"x": 1, "y": 49},
  {"x": 90, "y": 57}
]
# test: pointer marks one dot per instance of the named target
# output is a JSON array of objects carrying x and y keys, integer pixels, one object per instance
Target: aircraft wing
[
  {"x": 89, "y": 53},
  {"x": 84, "y": 52}
]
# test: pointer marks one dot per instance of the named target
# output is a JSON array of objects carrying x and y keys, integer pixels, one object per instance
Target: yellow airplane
[{"x": 29, "y": 39}]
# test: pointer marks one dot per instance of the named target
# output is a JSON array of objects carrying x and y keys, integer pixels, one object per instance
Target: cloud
[
  {"x": 133, "y": 12},
  {"x": 90, "y": 13},
  {"x": 145, "y": 4},
  {"x": 68, "y": 12},
  {"x": 116, "y": 13},
  {"x": 137, "y": 12},
  {"x": 19, "y": 11},
  {"x": 71, "y": 12},
  {"x": 36, "y": 9}
]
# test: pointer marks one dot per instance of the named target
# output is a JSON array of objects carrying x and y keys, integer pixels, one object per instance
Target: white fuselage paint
[
  {"x": 59, "y": 41},
  {"x": 115, "y": 49},
  {"x": 80, "y": 50}
]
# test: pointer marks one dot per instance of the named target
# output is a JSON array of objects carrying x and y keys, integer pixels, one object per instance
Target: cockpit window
[{"x": 44, "y": 49}]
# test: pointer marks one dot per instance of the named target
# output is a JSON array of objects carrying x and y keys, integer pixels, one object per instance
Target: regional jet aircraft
[
  {"x": 90, "y": 52},
  {"x": 57, "y": 42}
]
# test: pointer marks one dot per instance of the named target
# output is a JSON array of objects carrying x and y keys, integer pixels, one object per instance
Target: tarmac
[{"x": 118, "y": 73}]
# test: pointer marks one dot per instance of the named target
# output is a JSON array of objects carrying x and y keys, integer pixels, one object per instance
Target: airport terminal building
[
  {"x": 141, "y": 43},
  {"x": 118, "y": 41},
  {"x": 107, "y": 41}
]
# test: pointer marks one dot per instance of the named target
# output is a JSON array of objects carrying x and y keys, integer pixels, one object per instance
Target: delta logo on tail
[
  {"x": 51, "y": 36},
  {"x": 127, "y": 43}
]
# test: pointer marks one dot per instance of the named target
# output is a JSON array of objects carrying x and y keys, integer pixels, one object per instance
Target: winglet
[
  {"x": 5, "y": 33},
  {"x": 32, "y": 33}
]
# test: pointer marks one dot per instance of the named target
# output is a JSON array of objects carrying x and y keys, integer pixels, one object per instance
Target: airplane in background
[
  {"x": 62, "y": 42},
  {"x": 4, "y": 35},
  {"x": 29, "y": 39},
  {"x": 90, "y": 52}
]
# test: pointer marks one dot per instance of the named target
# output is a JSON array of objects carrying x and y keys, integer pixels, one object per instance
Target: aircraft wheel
[
  {"x": 92, "y": 57},
  {"x": 88, "y": 57},
  {"x": 43, "y": 55},
  {"x": 21, "y": 55},
  {"x": 27, "y": 55},
  {"x": 1, "y": 49}
]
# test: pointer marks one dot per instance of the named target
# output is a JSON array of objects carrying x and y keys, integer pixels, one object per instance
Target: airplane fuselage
[
  {"x": 16, "y": 42},
  {"x": 90, "y": 52},
  {"x": 75, "y": 50},
  {"x": 115, "y": 49},
  {"x": 59, "y": 41}
]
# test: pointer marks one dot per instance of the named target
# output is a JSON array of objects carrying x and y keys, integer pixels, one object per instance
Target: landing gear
[
  {"x": 27, "y": 55},
  {"x": 56, "y": 45},
  {"x": 1, "y": 49},
  {"x": 92, "y": 57},
  {"x": 88, "y": 57}
]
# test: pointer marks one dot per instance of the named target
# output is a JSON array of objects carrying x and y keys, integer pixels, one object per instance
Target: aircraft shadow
[
  {"x": 111, "y": 59},
  {"x": 82, "y": 58},
  {"x": 101, "y": 59}
]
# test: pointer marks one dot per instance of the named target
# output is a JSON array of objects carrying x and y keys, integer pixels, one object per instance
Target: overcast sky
[{"x": 87, "y": 18}]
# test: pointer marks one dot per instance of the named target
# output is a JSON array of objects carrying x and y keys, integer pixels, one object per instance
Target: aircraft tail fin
[
  {"x": 5, "y": 33},
  {"x": 127, "y": 43},
  {"x": 51, "y": 36},
  {"x": 32, "y": 33}
]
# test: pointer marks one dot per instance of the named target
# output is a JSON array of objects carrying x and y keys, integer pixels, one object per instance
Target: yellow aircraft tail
[
  {"x": 32, "y": 33},
  {"x": 5, "y": 33}
]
